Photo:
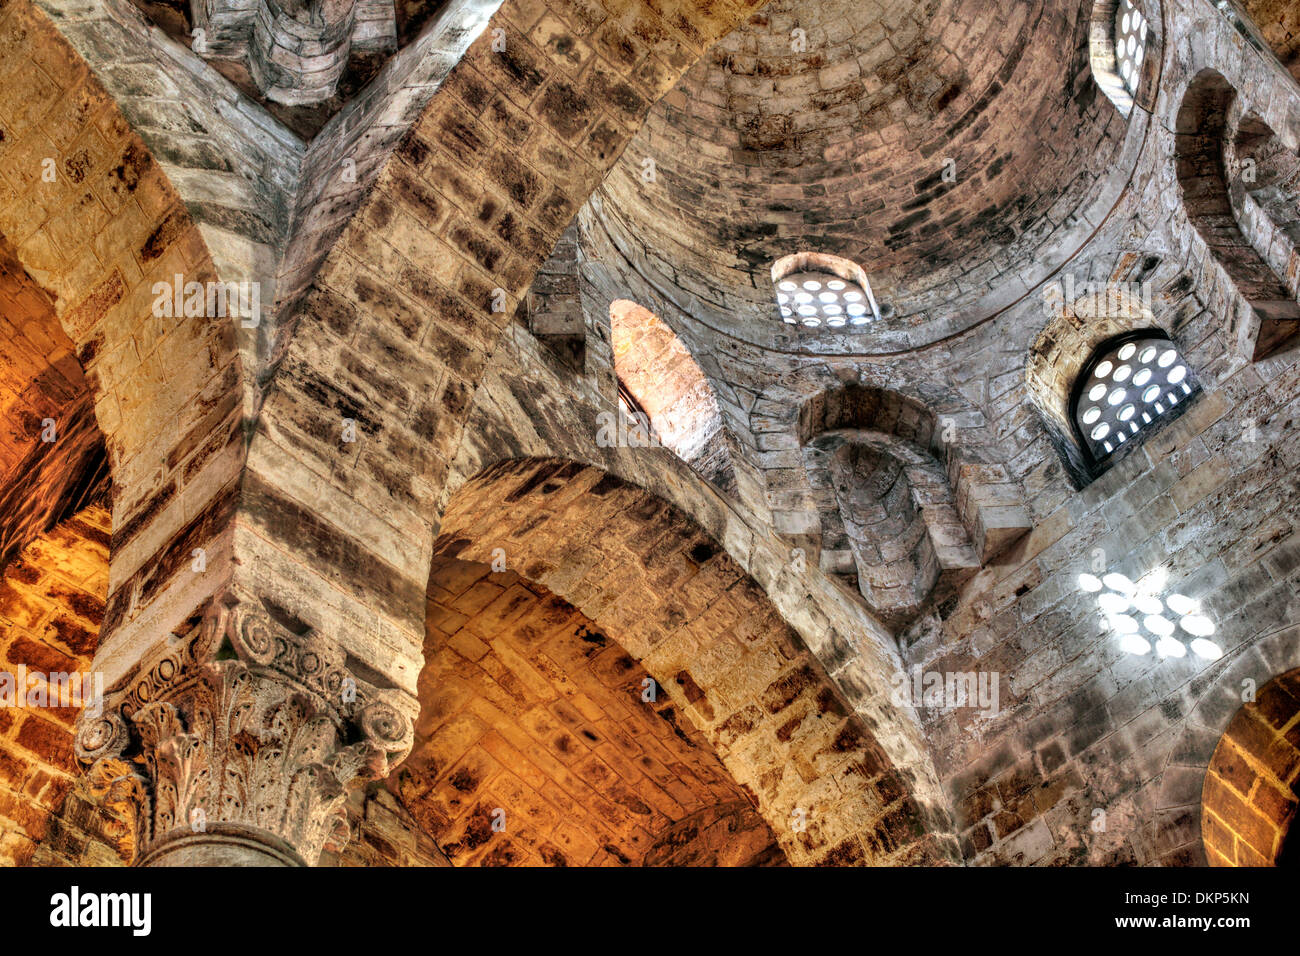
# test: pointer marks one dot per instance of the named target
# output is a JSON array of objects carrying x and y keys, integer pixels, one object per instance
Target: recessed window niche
[{"x": 817, "y": 290}]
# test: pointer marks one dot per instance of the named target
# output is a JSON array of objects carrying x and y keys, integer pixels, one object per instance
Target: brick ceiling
[{"x": 536, "y": 715}]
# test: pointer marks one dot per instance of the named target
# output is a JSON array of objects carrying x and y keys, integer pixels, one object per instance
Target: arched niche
[
  {"x": 1209, "y": 134},
  {"x": 899, "y": 518},
  {"x": 907, "y": 514}
]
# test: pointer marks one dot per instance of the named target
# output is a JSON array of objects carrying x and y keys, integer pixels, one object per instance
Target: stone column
[{"x": 235, "y": 745}]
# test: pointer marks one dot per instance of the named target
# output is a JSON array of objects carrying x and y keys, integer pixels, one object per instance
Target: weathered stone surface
[{"x": 863, "y": 566}]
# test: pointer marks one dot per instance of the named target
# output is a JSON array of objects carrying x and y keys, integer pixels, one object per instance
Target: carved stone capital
[{"x": 239, "y": 742}]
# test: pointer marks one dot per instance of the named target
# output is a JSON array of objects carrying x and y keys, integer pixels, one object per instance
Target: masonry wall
[{"x": 1207, "y": 504}]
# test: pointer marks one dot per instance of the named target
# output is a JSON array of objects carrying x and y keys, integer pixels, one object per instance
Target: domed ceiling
[{"x": 950, "y": 147}]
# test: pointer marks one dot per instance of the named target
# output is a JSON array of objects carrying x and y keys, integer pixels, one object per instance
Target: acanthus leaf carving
[{"x": 267, "y": 741}]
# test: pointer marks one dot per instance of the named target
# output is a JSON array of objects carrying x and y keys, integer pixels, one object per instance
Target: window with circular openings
[
  {"x": 1130, "y": 43},
  {"x": 1132, "y": 383},
  {"x": 815, "y": 299},
  {"x": 820, "y": 291}
]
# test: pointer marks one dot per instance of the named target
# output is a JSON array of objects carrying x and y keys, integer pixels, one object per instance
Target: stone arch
[
  {"x": 940, "y": 510},
  {"x": 393, "y": 336},
  {"x": 666, "y": 382},
  {"x": 705, "y": 631},
  {"x": 99, "y": 231},
  {"x": 1066, "y": 345},
  {"x": 269, "y": 230},
  {"x": 1177, "y": 815},
  {"x": 1249, "y": 800},
  {"x": 1202, "y": 147},
  {"x": 819, "y": 262}
]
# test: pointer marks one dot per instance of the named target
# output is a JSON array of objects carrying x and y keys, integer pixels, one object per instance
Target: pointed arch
[
  {"x": 92, "y": 218},
  {"x": 707, "y": 634},
  {"x": 534, "y": 714}
]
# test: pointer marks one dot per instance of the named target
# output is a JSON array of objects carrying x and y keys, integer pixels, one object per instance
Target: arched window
[
  {"x": 1130, "y": 43},
  {"x": 1119, "y": 45},
  {"x": 661, "y": 384},
  {"x": 816, "y": 290},
  {"x": 1132, "y": 384}
]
